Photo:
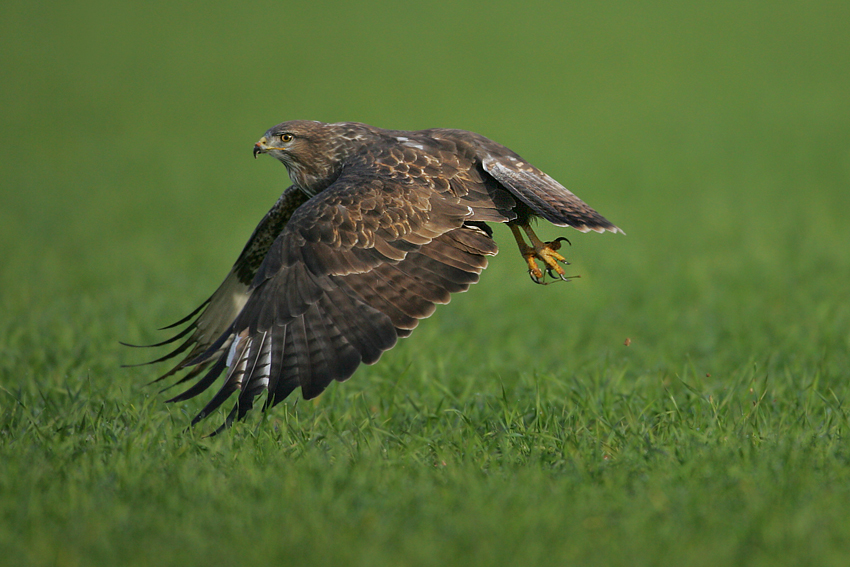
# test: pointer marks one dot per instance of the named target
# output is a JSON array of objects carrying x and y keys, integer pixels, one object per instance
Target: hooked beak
[{"x": 260, "y": 147}]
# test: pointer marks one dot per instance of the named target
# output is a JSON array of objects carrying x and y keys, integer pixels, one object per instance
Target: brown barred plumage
[{"x": 378, "y": 228}]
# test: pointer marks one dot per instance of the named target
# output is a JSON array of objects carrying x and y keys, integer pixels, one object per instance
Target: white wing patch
[
  {"x": 406, "y": 142},
  {"x": 233, "y": 346}
]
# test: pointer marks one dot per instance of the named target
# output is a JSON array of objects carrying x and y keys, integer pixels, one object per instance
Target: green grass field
[{"x": 515, "y": 427}]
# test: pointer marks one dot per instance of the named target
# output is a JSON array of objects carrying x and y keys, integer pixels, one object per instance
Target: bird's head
[{"x": 313, "y": 152}]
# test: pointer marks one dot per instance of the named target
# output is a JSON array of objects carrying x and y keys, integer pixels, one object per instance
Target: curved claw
[
  {"x": 556, "y": 244},
  {"x": 535, "y": 279},
  {"x": 546, "y": 252},
  {"x": 556, "y": 276}
]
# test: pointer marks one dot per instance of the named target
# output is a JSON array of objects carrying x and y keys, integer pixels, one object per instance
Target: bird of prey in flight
[{"x": 377, "y": 228}]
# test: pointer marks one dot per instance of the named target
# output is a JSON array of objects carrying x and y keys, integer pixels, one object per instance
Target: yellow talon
[{"x": 546, "y": 252}]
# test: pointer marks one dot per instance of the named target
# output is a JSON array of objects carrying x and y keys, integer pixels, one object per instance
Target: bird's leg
[
  {"x": 527, "y": 252},
  {"x": 546, "y": 252}
]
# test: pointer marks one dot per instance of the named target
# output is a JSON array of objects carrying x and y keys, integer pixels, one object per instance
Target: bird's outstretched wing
[
  {"x": 354, "y": 269},
  {"x": 212, "y": 318},
  {"x": 544, "y": 195}
]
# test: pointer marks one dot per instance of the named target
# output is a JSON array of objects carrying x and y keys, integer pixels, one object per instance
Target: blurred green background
[
  {"x": 716, "y": 134},
  {"x": 128, "y": 126}
]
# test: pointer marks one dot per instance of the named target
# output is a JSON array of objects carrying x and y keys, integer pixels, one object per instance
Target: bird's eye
[{"x": 286, "y": 138}]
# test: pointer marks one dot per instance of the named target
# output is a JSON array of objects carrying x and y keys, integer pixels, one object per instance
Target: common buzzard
[{"x": 378, "y": 227}]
